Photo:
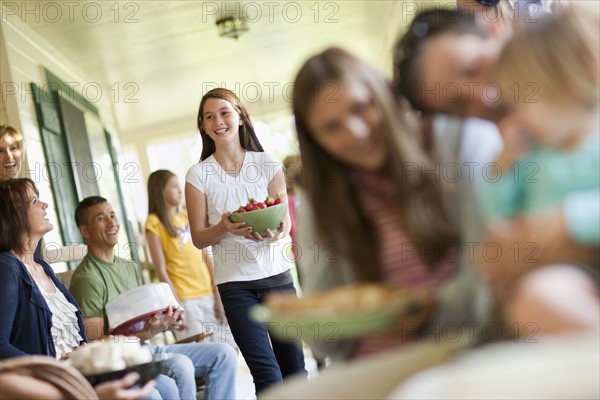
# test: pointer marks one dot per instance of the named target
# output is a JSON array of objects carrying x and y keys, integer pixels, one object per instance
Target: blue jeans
[
  {"x": 269, "y": 359},
  {"x": 216, "y": 362},
  {"x": 165, "y": 389}
]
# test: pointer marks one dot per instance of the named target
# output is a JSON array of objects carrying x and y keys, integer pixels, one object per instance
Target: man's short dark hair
[{"x": 81, "y": 212}]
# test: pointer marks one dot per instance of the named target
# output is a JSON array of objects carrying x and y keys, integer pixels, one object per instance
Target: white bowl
[{"x": 128, "y": 312}]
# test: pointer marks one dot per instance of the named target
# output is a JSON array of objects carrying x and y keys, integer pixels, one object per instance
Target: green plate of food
[{"x": 341, "y": 313}]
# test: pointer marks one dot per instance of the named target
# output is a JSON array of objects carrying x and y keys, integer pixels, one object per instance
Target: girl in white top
[{"x": 234, "y": 168}]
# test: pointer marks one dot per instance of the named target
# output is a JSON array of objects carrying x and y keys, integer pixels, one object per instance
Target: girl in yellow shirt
[{"x": 188, "y": 270}]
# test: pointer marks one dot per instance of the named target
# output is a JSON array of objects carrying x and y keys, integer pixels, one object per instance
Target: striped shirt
[{"x": 400, "y": 262}]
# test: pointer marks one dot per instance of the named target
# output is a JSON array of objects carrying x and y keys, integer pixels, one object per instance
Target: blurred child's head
[
  {"x": 549, "y": 75},
  {"x": 224, "y": 118},
  {"x": 444, "y": 63},
  {"x": 11, "y": 152}
]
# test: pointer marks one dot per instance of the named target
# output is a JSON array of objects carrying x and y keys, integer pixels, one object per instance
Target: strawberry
[
  {"x": 270, "y": 201},
  {"x": 278, "y": 199},
  {"x": 254, "y": 205}
]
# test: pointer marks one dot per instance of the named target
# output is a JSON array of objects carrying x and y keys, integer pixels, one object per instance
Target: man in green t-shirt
[{"x": 102, "y": 276}]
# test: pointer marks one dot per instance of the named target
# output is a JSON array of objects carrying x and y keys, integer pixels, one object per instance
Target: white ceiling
[{"x": 165, "y": 54}]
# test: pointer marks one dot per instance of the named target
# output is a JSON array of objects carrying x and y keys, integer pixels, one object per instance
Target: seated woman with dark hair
[{"x": 39, "y": 316}]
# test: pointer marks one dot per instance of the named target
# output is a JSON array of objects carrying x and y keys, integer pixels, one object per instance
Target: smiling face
[
  {"x": 102, "y": 227},
  {"x": 173, "y": 192},
  {"x": 37, "y": 217},
  {"x": 221, "y": 121},
  {"x": 10, "y": 157},
  {"x": 345, "y": 121},
  {"x": 464, "y": 84}
]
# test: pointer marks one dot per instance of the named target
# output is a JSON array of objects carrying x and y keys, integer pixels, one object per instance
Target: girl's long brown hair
[
  {"x": 157, "y": 184},
  {"x": 248, "y": 138},
  {"x": 338, "y": 217}
]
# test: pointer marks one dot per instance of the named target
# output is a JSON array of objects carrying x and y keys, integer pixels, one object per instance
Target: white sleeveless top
[{"x": 235, "y": 257}]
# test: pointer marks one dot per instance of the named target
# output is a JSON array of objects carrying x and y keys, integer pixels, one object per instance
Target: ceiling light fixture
[{"x": 232, "y": 27}]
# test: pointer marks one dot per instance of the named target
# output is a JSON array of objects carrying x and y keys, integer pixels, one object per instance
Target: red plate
[{"x": 135, "y": 325}]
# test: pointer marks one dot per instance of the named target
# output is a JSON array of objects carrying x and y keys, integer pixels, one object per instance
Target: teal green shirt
[
  {"x": 95, "y": 282},
  {"x": 547, "y": 178}
]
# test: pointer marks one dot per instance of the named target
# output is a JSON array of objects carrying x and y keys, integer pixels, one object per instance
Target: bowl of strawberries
[{"x": 261, "y": 215}]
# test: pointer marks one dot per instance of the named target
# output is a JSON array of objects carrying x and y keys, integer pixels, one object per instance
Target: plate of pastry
[{"x": 344, "y": 312}]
